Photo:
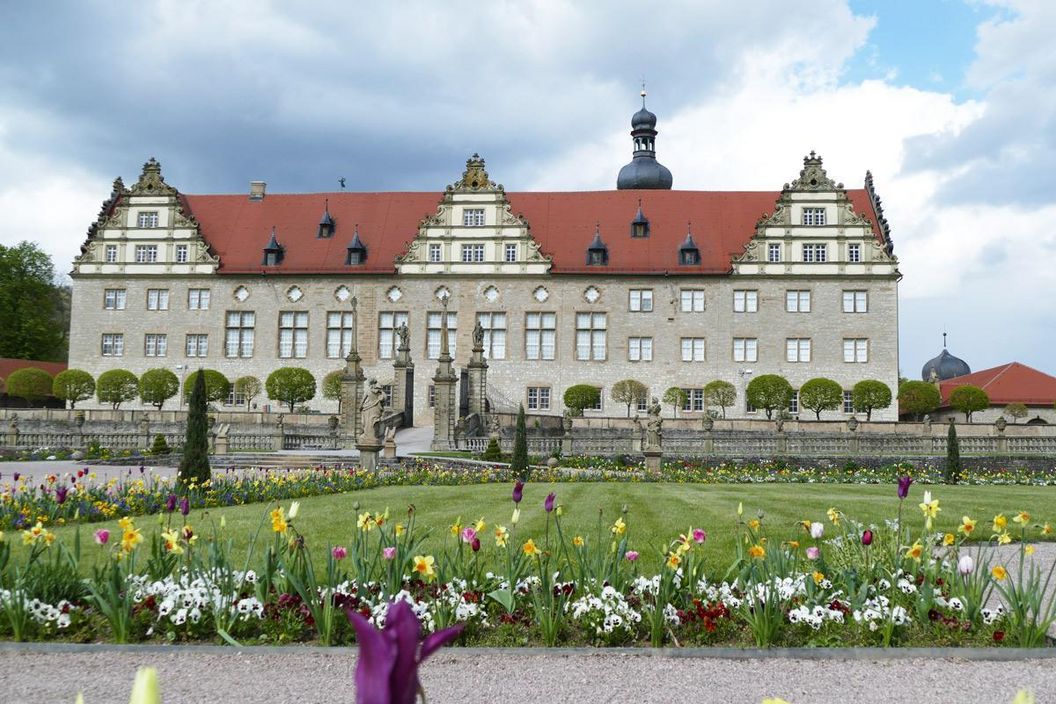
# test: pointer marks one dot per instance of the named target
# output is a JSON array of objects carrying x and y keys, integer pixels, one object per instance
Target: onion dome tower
[
  {"x": 644, "y": 171},
  {"x": 945, "y": 366}
]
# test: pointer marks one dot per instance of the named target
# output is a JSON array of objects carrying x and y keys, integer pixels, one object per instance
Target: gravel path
[{"x": 322, "y": 677}]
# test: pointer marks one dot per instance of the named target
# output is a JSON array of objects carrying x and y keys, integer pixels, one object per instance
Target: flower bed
[{"x": 840, "y": 583}]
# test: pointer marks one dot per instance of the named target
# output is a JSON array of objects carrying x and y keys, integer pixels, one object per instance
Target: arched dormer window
[
  {"x": 326, "y": 223},
  {"x": 273, "y": 252},
  {"x": 688, "y": 253},
  {"x": 357, "y": 251},
  {"x": 597, "y": 252},
  {"x": 640, "y": 224}
]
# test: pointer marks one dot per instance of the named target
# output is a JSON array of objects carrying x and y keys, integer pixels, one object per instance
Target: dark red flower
[
  {"x": 999, "y": 636},
  {"x": 867, "y": 538}
]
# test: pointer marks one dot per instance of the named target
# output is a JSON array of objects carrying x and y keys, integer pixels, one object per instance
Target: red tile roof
[
  {"x": 1009, "y": 383},
  {"x": 237, "y": 229},
  {"x": 8, "y": 365}
]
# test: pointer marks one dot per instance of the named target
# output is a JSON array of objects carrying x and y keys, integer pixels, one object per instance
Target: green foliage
[
  {"x": 1015, "y": 411},
  {"x": 116, "y": 386},
  {"x": 819, "y": 395},
  {"x": 581, "y": 396},
  {"x": 954, "y": 469},
  {"x": 870, "y": 395},
  {"x": 73, "y": 385},
  {"x": 968, "y": 399},
  {"x": 676, "y": 398},
  {"x": 249, "y": 387},
  {"x": 33, "y": 310},
  {"x": 217, "y": 387},
  {"x": 290, "y": 385},
  {"x": 332, "y": 385},
  {"x": 157, "y": 386},
  {"x": 30, "y": 383},
  {"x": 720, "y": 393},
  {"x": 493, "y": 452},
  {"x": 519, "y": 463},
  {"x": 629, "y": 392},
  {"x": 917, "y": 398},
  {"x": 160, "y": 446},
  {"x": 769, "y": 392},
  {"x": 194, "y": 465}
]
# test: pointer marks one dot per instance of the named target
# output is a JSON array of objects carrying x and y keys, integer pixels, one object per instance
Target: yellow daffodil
[
  {"x": 754, "y": 524},
  {"x": 930, "y": 508},
  {"x": 757, "y": 551},
  {"x": 578, "y": 541},
  {"x": 480, "y": 525},
  {"x": 172, "y": 542},
  {"x": 1029, "y": 550},
  {"x": 673, "y": 560},
  {"x": 948, "y": 539},
  {"x": 529, "y": 548},
  {"x": 130, "y": 539},
  {"x": 967, "y": 525},
  {"x": 818, "y": 577},
  {"x": 501, "y": 536},
  {"x": 1000, "y": 522},
  {"x": 1022, "y": 518},
  {"x": 1004, "y": 538},
  {"x": 794, "y": 544},
  {"x": 125, "y": 523},
  {"x": 423, "y": 565},
  {"x": 915, "y": 551},
  {"x": 999, "y": 573},
  {"x": 278, "y": 520},
  {"x": 456, "y": 527},
  {"x": 806, "y": 524},
  {"x": 1046, "y": 529},
  {"x": 400, "y": 529},
  {"x": 834, "y": 516},
  {"x": 365, "y": 522},
  {"x": 619, "y": 527}
]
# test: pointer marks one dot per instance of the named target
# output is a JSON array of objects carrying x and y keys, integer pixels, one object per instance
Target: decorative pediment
[
  {"x": 474, "y": 179},
  {"x": 813, "y": 177},
  {"x": 151, "y": 182}
]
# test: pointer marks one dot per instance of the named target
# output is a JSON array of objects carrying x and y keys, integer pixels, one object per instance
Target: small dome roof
[
  {"x": 644, "y": 172},
  {"x": 643, "y": 120},
  {"x": 945, "y": 366}
]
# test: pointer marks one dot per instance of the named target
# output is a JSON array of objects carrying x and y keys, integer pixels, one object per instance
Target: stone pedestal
[
  {"x": 403, "y": 378},
  {"x": 352, "y": 382},
  {"x": 478, "y": 373},
  {"x": 652, "y": 459},
  {"x": 566, "y": 437},
  {"x": 445, "y": 402},
  {"x": 278, "y": 438},
  {"x": 388, "y": 450},
  {"x": 368, "y": 455}
]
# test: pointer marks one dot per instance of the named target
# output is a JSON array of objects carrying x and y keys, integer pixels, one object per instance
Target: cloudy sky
[{"x": 950, "y": 103}]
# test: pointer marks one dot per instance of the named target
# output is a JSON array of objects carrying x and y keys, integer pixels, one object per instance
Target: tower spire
[{"x": 644, "y": 171}]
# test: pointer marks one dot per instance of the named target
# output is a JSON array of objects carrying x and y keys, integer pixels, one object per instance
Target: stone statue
[
  {"x": 478, "y": 336},
  {"x": 370, "y": 412},
  {"x": 404, "y": 336},
  {"x": 653, "y": 426},
  {"x": 494, "y": 427}
]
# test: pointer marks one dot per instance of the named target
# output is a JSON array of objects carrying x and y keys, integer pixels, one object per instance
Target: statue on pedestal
[
  {"x": 478, "y": 336},
  {"x": 653, "y": 426},
  {"x": 370, "y": 412},
  {"x": 404, "y": 336}
]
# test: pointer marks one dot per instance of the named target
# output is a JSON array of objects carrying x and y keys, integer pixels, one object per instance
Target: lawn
[{"x": 655, "y": 512}]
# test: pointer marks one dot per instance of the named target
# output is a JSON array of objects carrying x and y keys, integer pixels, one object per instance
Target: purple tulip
[
  {"x": 185, "y": 506},
  {"x": 17, "y": 475},
  {"x": 170, "y": 503},
  {"x": 549, "y": 503},
  {"x": 903, "y": 486},
  {"x": 518, "y": 491},
  {"x": 60, "y": 494},
  {"x": 867, "y": 538},
  {"x": 389, "y": 658}
]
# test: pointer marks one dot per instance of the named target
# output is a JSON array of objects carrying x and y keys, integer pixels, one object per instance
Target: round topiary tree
[
  {"x": 581, "y": 396},
  {"x": 720, "y": 393},
  {"x": 629, "y": 392},
  {"x": 769, "y": 392},
  {"x": 248, "y": 387},
  {"x": 73, "y": 385},
  {"x": 290, "y": 385},
  {"x": 30, "y": 383},
  {"x": 917, "y": 398},
  {"x": 870, "y": 395},
  {"x": 676, "y": 398},
  {"x": 819, "y": 395},
  {"x": 157, "y": 386},
  {"x": 217, "y": 387},
  {"x": 968, "y": 399},
  {"x": 116, "y": 386}
]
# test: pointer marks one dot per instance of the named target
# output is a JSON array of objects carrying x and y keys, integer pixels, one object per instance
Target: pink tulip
[
  {"x": 469, "y": 534},
  {"x": 389, "y": 553},
  {"x": 813, "y": 553},
  {"x": 102, "y": 536},
  {"x": 631, "y": 555},
  {"x": 699, "y": 535},
  {"x": 339, "y": 552}
]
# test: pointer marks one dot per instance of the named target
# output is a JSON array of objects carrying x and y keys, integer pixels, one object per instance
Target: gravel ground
[{"x": 321, "y": 677}]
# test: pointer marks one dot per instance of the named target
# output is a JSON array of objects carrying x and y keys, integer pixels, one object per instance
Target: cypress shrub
[
  {"x": 194, "y": 466},
  {"x": 519, "y": 463},
  {"x": 954, "y": 469},
  {"x": 160, "y": 447},
  {"x": 492, "y": 453}
]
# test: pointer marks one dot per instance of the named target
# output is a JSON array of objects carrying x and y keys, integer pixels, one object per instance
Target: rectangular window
[
  {"x": 642, "y": 404},
  {"x": 848, "y": 402},
  {"x": 473, "y": 217},
  {"x": 430, "y": 395},
  {"x": 388, "y": 324},
  {"x": 854, "y": 253},
  {"x": 181, "y": 254},
  {"x": 797, "y": 349},
  {"x": 435, "y": 252},
  {"x": 813, "y": 217},
  {"x": 146, "y": 253},
  {"x": 148, "y": 219},
  {"x": 597, "y": 404},
  {"x": 157, "y": 299},
  {"x": 797, "y": 301},
  {"x": 641, "y": 300},
  {"x": 745, "y": 349},
  {"x": 113, "y": 344},
  {"x": 239, "y": 333},
  {"x": 538, "y": 398},
  {"x": 856, "y": 350},
  {"x": 745, "y": 301},
  {"x": 293, "y": 334},
  {"x": 198, "y": 299},
  {"x": 692, "y": 349},
  {"x": 640, "y": 349},
  {"x": 691, "y": 301},
  {"x": 773, "y": 252},
  {"x": 855, "y": 302},
  {"x": 694, "y": 400},
  {"x": 540, "y": 333},
  {"x": 815, "y": 252},
  {"x": 111, "y": 253},
  {"x": 114, "y": 299},
  {"x": 472, "y": 252},
  {"x": 338, "y": 334},
  {"x": 494, "y": 325},
  {"x": 197, "y": 345},
  {"x": 433, "y": 334},
  {"x": 591, "y": 335},
  {"x": 155, "y": 345},
  {"x": 511, "y": 252},
  {"x": 793, "y": 402}
]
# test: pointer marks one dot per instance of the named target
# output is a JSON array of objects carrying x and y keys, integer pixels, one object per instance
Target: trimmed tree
[
  {"x": 952, "y": 471},
  {"x": 332, "y": 387},
  {"x": 30, "y": 383},
  {"x": 248, "y": 387},
  {"x": 290, "y": 385},
  {"x": 519, "y": 462},
  {"x": 73, "y": 385},
  {"x": 870, "y": 395},
  {"x": 580, "y": 396},
  {"x": 675, "y": 397},
  {"x": 720, "y": 393},
  {"x": 769, "y": 392},
  {"x": 157, "y": 386},
  {"x": 917, "y": 398},
  {"x": 194, "y": 465},
  {"x": 968, "y": 399},
  {"x": 1015, "y": 411},
  {"x": 629, "y": 392},
  {"x": 116, "y": 386},
  {"x": 819, "y": 395},
  {"x": 217, "y": 387}
]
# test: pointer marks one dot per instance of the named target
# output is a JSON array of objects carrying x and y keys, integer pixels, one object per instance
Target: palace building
[{"x": 668, "y": 287}]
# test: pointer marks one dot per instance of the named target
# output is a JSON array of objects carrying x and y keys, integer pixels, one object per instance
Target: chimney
[{"x": 256, "y": 190}]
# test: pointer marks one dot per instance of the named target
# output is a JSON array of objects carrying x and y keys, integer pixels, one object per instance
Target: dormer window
[
  {"x": 473, "y": 217},
  {"x": 326, "y": 223},
  {"x": 597, "y": 252},
  {"x": 357, "y": 251},
  {"x": 688, "y": 253},
  {"x": 273, "y": 252},
  {"x": 640, "y": 224}
]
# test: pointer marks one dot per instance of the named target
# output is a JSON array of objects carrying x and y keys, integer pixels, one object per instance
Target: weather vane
[{"x": 342, "y": 182}]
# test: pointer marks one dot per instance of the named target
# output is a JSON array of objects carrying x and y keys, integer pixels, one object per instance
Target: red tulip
[{"x": 867, "y": 538}]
